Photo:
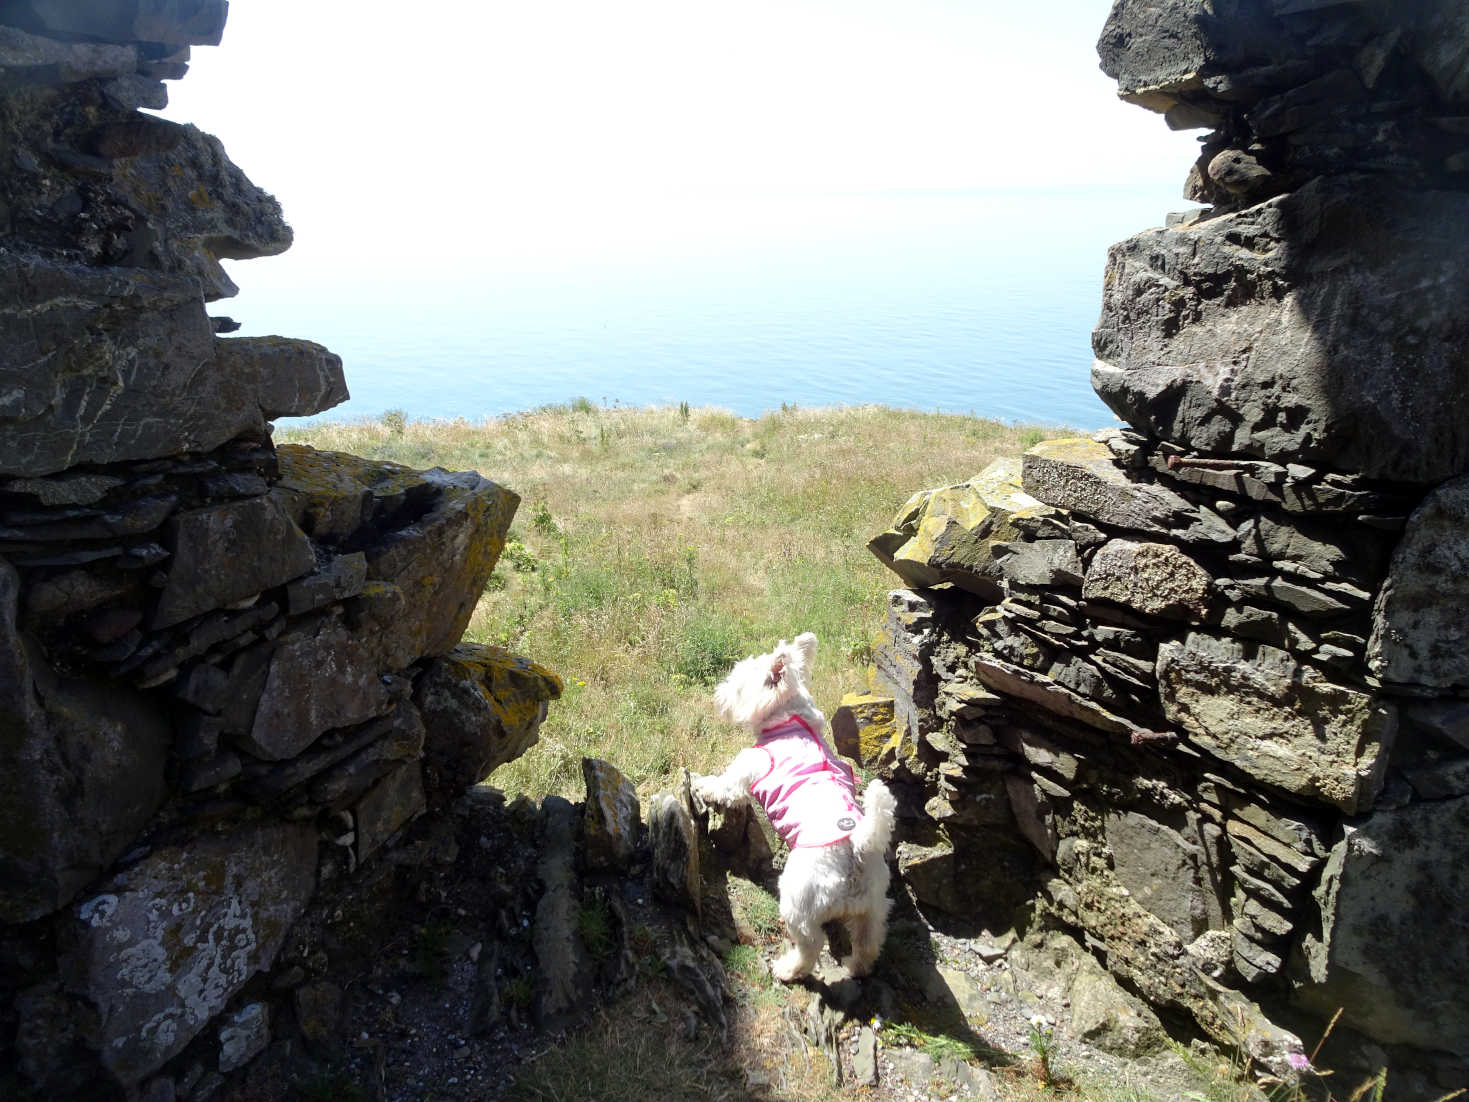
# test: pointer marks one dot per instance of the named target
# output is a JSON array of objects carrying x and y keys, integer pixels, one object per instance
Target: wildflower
[{"x": 1298, "y": 1061}]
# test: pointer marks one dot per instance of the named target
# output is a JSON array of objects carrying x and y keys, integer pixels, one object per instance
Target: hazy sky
[{"x": 395, "y": 129}]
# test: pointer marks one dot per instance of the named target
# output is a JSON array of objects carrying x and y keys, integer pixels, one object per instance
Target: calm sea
[{"x": 978, "y": 303}]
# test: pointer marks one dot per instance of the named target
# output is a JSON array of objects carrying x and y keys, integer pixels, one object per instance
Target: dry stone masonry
[
  {"x": 1200, "y": 683},
  {"x": 229, "y": 672}
]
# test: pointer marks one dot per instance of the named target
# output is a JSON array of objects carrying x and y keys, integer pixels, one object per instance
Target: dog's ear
[{"x": 806, "y": 644}]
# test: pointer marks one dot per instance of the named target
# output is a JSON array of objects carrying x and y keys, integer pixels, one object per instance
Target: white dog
[{"x": 837, "y": 867}]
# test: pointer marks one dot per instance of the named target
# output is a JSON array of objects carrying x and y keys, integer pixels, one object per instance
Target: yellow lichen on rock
[
  {"x": 865, "y": 729},
  {"x": 948, "y": 534}
]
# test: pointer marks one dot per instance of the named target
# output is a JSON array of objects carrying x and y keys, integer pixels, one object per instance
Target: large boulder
[
  {"x": 1420, "y": 634},
  {"x": 1284, "y": 331},
  {"x": 1390, "y": 954},
  {"x": 1161, "y": 52}
]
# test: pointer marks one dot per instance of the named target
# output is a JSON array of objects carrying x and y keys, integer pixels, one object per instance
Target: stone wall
[
  {"x": 1198, "y": 685},
  {"x": 228, "y": 671}
]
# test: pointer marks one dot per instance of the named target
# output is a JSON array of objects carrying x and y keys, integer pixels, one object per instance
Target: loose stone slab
[
  {"x": 1039, "y": 689},
  {"x": 1283, "y": 723},
  {"x": 1082, "y": 476},
  {"x": 164, "y": 945},
  {"x": 675, "y": 845}
]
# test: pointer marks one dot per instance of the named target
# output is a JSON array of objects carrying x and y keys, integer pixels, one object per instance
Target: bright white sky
[{"x": 392, "y": 129}]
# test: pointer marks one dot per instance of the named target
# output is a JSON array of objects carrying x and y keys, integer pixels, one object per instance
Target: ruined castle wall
[
  {"x": 228, "y": 672},
  {"x": 1199, "y": 683}
]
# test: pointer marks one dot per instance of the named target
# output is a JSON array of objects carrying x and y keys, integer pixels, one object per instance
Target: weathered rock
[
  {"x": 611, "y": 821},
  {"x": 1083, "y": 477},
  {"x": 1395, "y": 876},
  {"x": 902, "y": 665},
  {"x": 261, "y": 545},
  {"x": 1420, "y": 635},
  {"x": 1179, "y": 879},
  {"x": 1049, "y": 694},
  {"x": 340, "y": 577},
  {"x": 979, "y": 880},
  {"x": 561, "y": 977},
  {"x": 164, "y": 945},
  {"x": 675, "y": 845},
  {"x": 483, "y": 707},
  {"x": 81, "y": 772},
  {"x": 1159, "y": 52},
  {"x": 243, "y": 1036},
  {"x": 172, "y": 22},
  {"x": 289, "y": 377},
  {"x": 1099, "y": 1009},
  {"x": 1154, "y": 578},
  {"x": 44, "y": 60},
  {"x": 864, "y": 728},
  {"x": 1284, "y": 724},
  {"x": 433, "y": 534},
  {"x": 353, "y": 775},
  {"x": 387, "y": 806},
  {"x": 1281, "y": 331},
  {"x": 1031, "y": 807},
  {"x": 202, "y": 209},
  {"x": 322, "y": 675},
  {"x": 98, "y": 399},
  {"x": 1325, "y": 549},
  {"x": 1039, "y": 562},
  {"x": 948, "y": 535}
]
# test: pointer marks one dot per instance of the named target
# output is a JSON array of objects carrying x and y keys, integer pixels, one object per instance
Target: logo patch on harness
[{"x": 846, "y": 822}]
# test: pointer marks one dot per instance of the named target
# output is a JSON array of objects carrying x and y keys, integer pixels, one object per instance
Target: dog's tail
[{"x": 876, "y": 828}]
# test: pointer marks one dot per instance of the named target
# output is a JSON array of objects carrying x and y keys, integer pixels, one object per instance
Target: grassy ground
[{"x": 654, "y": 547}]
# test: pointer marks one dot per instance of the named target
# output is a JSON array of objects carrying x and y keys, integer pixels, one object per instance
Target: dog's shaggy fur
[{"x": 847, "y": 880}]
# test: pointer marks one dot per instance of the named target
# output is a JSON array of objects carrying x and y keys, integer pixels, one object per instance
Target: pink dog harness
[{"x": 809, "y": 793}]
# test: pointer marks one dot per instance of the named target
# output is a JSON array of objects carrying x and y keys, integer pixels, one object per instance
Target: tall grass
[{"x": 655, "y": 546}]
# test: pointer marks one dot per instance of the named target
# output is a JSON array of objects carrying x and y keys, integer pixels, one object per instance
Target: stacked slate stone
[
  {"x": 1211, "y": 668},
  {"x": 227, "y": 670}
]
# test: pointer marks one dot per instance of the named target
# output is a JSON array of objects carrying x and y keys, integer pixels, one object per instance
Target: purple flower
[{"x": 1298, "y": 1061}]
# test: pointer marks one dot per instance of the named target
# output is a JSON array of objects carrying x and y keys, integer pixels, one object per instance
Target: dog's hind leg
[
  {"x": 801, "y": 958},
  {"x": 869, "y": 930}
]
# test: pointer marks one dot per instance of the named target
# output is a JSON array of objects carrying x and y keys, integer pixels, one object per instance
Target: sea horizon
[{"x": 974, "y": 301}]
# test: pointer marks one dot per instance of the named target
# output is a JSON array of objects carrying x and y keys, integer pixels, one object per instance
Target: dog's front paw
[
  {"x": 790, "y": 967},
  {"x": 705, "y": 789}
]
